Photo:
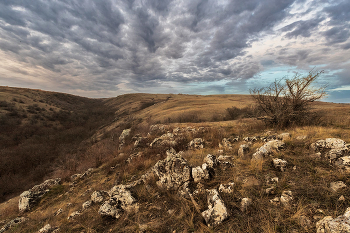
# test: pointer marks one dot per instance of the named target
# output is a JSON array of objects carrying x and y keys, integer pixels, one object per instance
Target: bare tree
[{"x": 287, "y": 101}]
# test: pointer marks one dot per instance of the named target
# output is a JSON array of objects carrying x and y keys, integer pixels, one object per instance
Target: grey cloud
[
  {"x": 302, "y": 28},
  {"x": 149, "y": 42},
  {"x": 337, "y": 34}
]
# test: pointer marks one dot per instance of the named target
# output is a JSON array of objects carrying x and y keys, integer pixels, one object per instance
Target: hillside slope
[{"x": 137, "y": 183}]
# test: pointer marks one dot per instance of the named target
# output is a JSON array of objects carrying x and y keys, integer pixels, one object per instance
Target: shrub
[{"x": 287, "y": 101}]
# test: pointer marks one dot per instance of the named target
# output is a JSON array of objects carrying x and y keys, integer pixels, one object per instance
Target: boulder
[
  {"x": 338, "y": 225},
  {"x": 29, "y": 198},
  {"x": 217, "y": 211},
  {"x": 197, "y": 143},
  {"x": 172, "y": 172},
  {"x": 335, "y": 186},
  {"x": 267, "y": 149},
  {"x": 123, "y": 136},
  {"x": 280, "y": 164}
]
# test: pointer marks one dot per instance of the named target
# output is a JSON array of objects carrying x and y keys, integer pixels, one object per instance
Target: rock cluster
[
  {"x": 166, "y": 140},
  {"x": 172, "y": 172},
  {"x": 48, "y": 229},
  {"x": 337, "y": 151},
  {"x": 12, "y": 223},
  {"x": 338, "y": 225},
  {"x": 120, "y": 199},
  {"x": 29, "y": 198},
  {"x": 197, "y": 143}
]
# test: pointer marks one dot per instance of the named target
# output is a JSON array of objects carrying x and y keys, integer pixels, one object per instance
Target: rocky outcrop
[
  {"x": 328, "y": 143},
  {"x": 197, "y": 143},
  {"x": 120, "y": 200},
  {"x": 29, "y": 198},
  {"x": 172, "y": 172},
  {"x": 338, "y": 225},
  {"x": 123, "y": 136},
  {"x": 12, "y": 223},
  {"x": 334, "y": 149},
  {"x": 48, "y": 229},
  {"x": 217, "y": 211},
  {"x": 267, "y": 149},
  {"x": 166, "y": 140}
]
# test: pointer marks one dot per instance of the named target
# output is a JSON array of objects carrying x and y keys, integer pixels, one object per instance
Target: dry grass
[{"x": 165, "y": 211}]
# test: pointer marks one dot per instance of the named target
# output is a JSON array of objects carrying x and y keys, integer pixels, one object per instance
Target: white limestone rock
[
  {"x": 245, "y": 202},
  {"x": 335, "y": 186},
  {"x": 217, "y": 211},
  {"x": 197, "y": 143},
  {"x": 172, "y": 172},
  {"x": 226, "y": 188},
  {"x": 280, "y": 164},
  {"x": 29, "y": 198},
  {"x": 267, "y": 149},
  {"x": 340, "y": 224}
]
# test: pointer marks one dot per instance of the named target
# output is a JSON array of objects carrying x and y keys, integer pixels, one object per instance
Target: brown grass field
[{"x": 78, "y": 133}]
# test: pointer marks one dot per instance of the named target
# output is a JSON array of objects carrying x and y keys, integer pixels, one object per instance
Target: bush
[{"x": 286, "y": 102}]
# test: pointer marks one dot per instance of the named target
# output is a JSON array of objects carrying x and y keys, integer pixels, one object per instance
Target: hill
[{"x": 118, "y": 172}]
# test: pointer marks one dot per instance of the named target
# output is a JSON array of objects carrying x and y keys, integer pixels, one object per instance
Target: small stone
[
  {"x": 335, "y": 186},
  {"x": 245, "y": 202},
  {"x": 341, "y": 198},
  {"x": 226, "y": 188},
  {"x": 58, "y": 212},
  {"x": 280, "y": 164},
  {"x": 286, "y": 198},
  {"x": 86, "y": 205},
  {"x": 275, "y": 201},
  {"x": 73, "y": 215}
]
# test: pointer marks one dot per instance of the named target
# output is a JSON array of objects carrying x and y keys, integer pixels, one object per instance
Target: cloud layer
[{"x": 110, "y": 47}]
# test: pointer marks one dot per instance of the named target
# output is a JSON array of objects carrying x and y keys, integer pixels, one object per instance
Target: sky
[{"x": 105, "y": 48}]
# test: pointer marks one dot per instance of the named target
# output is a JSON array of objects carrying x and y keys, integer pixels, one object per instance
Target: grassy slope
[{"x": 309, "y": 182}]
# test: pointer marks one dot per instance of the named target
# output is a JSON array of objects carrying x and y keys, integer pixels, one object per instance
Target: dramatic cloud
[{"x": 110, "y": 47}]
